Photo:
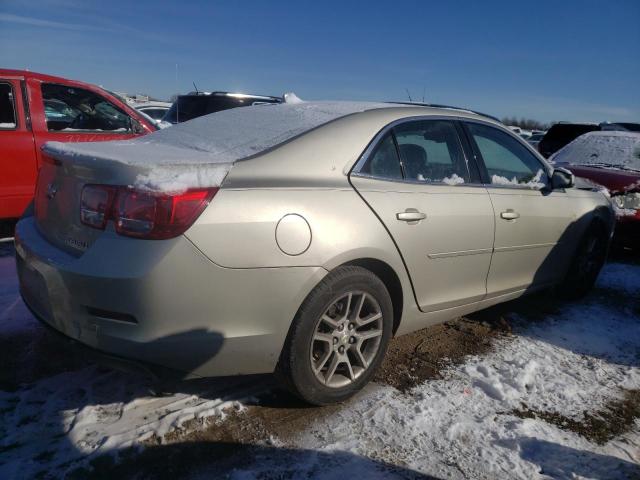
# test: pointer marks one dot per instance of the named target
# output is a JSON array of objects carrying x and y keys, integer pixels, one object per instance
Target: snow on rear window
[
  {"x": 618, "y": 149},
  {"x": 200, "y": 152}
]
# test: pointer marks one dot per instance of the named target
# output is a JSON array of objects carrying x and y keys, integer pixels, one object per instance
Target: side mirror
[{"x": 562, "y": 178}]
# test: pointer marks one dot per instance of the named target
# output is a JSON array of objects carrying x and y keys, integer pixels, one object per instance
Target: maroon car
[{"x": 610, "y": 159}]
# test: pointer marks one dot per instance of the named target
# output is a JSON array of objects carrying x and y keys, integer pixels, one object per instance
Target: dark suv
[{"x": 197, "y": 104}]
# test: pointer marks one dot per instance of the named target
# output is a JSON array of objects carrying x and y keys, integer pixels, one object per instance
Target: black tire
[
  {"x": 587, "y": 262},
  {"x": 295, "y": 365}
]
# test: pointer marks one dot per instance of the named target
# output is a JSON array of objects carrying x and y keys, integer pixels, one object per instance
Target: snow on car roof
[
  {"x": 200, "y": 153},
  {"x": 613, "y": 148}
]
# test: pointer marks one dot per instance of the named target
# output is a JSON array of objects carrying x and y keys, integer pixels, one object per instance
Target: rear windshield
[{"x": 188, "y": 107}]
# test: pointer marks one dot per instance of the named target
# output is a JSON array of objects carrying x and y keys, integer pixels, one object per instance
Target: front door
[
  {"x": 417, "y": 181},
  {"x": 66, "y": 113},
  {"x": 17, "y": 153},
  {"x": 532, "y": 221}
]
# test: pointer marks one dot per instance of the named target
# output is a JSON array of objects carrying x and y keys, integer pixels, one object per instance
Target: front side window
[
  {"x": 383, "y": 161},
  {"x": 430, "y": 151},
  {"x": 71, "y": 109},
  {"x": 7, "y": 107},
  {"x": 508, "y": 162}
]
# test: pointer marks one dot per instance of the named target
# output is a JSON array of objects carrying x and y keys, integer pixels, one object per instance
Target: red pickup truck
[{"x": 37, "y": 108}]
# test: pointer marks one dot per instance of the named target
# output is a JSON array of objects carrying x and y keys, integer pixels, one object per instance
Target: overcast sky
[{"x": 548, "y": 60}]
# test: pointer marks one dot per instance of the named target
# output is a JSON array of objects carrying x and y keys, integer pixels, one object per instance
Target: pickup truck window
[
  {"x": 71, "y": 109},
  {"x": 7, "y": 107}
]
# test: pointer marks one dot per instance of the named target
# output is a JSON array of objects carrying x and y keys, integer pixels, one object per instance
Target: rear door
[
  {"x": 67, "y": 113},
  {"x": 17, "y": 152},
  {"x": 416, "y": 179},
  {"x": 532, "y": 221}
]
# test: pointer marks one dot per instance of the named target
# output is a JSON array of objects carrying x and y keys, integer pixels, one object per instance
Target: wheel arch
[{"x": 390, "y": 278}]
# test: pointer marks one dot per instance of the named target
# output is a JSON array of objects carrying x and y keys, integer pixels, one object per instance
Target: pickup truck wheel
[
  {"x": 338, "y": 337},
  {"x": 587, "y": 262}
]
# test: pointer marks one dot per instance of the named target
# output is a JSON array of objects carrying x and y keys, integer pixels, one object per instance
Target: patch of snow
[
  {"x": 608, "y": 147},
  {"x": 453, "y": 180},
  {"x": 535, "y": 182},
  {"x": 292, "y": 98},
  {"x": 7, "y": 125},
  {"x": 206, "y": 147},
  {"x": 462, "y": 427}
]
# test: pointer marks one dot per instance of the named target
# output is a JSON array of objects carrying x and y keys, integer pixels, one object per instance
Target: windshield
[{"x": 604, "y": 149}]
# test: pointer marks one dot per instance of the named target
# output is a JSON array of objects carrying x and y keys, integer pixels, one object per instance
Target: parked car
[
  {"x": 610, "y": 159},
  {"x": 37, "y": 108},
  {"x": 560, "y": 134},
  {"x": 534, "y": 139},
  {"x": 563, "y": 133},
  {"x": 155, "y": 110},
  {"x": 620, "y": 126},
  {"x": 197, "y": 104},
  {"x": 299, "y": 238}
]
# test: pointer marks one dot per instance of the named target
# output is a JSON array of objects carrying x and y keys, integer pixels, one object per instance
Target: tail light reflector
[{"x": 143, "y": 214}]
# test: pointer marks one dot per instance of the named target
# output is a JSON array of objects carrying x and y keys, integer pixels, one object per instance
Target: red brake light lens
[
  {"x": 143, "y": 214},
  {"x": 159, "y": 216},
  {"x": 95, "y": 204}
]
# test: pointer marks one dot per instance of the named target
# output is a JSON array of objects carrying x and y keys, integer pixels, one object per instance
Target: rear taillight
[{"x": 143, "y": 214}]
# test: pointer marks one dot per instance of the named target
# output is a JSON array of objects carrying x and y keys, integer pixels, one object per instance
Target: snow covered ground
[{"x": 489, "y": 417}]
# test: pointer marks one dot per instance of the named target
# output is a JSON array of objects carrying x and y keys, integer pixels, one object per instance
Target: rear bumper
[{"x": 162, "y": 302}]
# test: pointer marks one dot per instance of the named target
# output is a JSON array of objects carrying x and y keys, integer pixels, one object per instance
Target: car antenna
[
  {"x": 424, "y": 90},
  {"x": 408, "y": 94},
  {"x": 194, "y": 86}
]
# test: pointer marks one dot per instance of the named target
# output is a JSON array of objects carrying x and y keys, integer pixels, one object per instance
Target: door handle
[
  {"x": 411, "y": 216},
  {"x": 509, "y": 214}
]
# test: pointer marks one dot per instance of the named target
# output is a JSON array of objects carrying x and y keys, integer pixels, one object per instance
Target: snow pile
[
  {"x": 463, "y": 426},
  {"x": 608, "y": 148},
  {"x": 200, "y": 153},
  {"x": 535, "y": 182},
  {"x": 453, "y": 180}
]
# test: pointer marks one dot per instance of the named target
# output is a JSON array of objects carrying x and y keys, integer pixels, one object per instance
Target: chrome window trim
[{"x": 356, "y": 170}]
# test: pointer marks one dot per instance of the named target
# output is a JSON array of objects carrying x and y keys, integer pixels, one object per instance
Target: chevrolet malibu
[{"x": 298, "y": 238}]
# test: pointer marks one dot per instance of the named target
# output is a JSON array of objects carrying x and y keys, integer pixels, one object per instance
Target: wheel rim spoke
[
  {"x": 368, "y": 319},
  {"x": 323, "y": 337},
  {"x": 369, "y": 334},
  {"x": 329, "y": 321},
  {"x": 348, "y": 307},
  {"x": 323, "y": 361},
  {"x": 335, "y": 361},
  {"x": 360, "y": 357}
]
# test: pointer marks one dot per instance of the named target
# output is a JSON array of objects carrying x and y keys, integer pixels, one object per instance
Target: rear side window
[
  {"x": 430, "y": 151},
  {"x": 383, "y": 161},
  {"x": 508, "y": 162},
  {"x": 7, "y": 107},
  {"x": 71, "y": 109}
]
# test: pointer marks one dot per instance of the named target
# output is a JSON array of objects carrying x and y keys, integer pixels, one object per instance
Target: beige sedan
[{"x": 299, "y": 238}]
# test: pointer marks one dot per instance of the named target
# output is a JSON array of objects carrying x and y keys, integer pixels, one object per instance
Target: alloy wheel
[{"x": 346, "y": 339}]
